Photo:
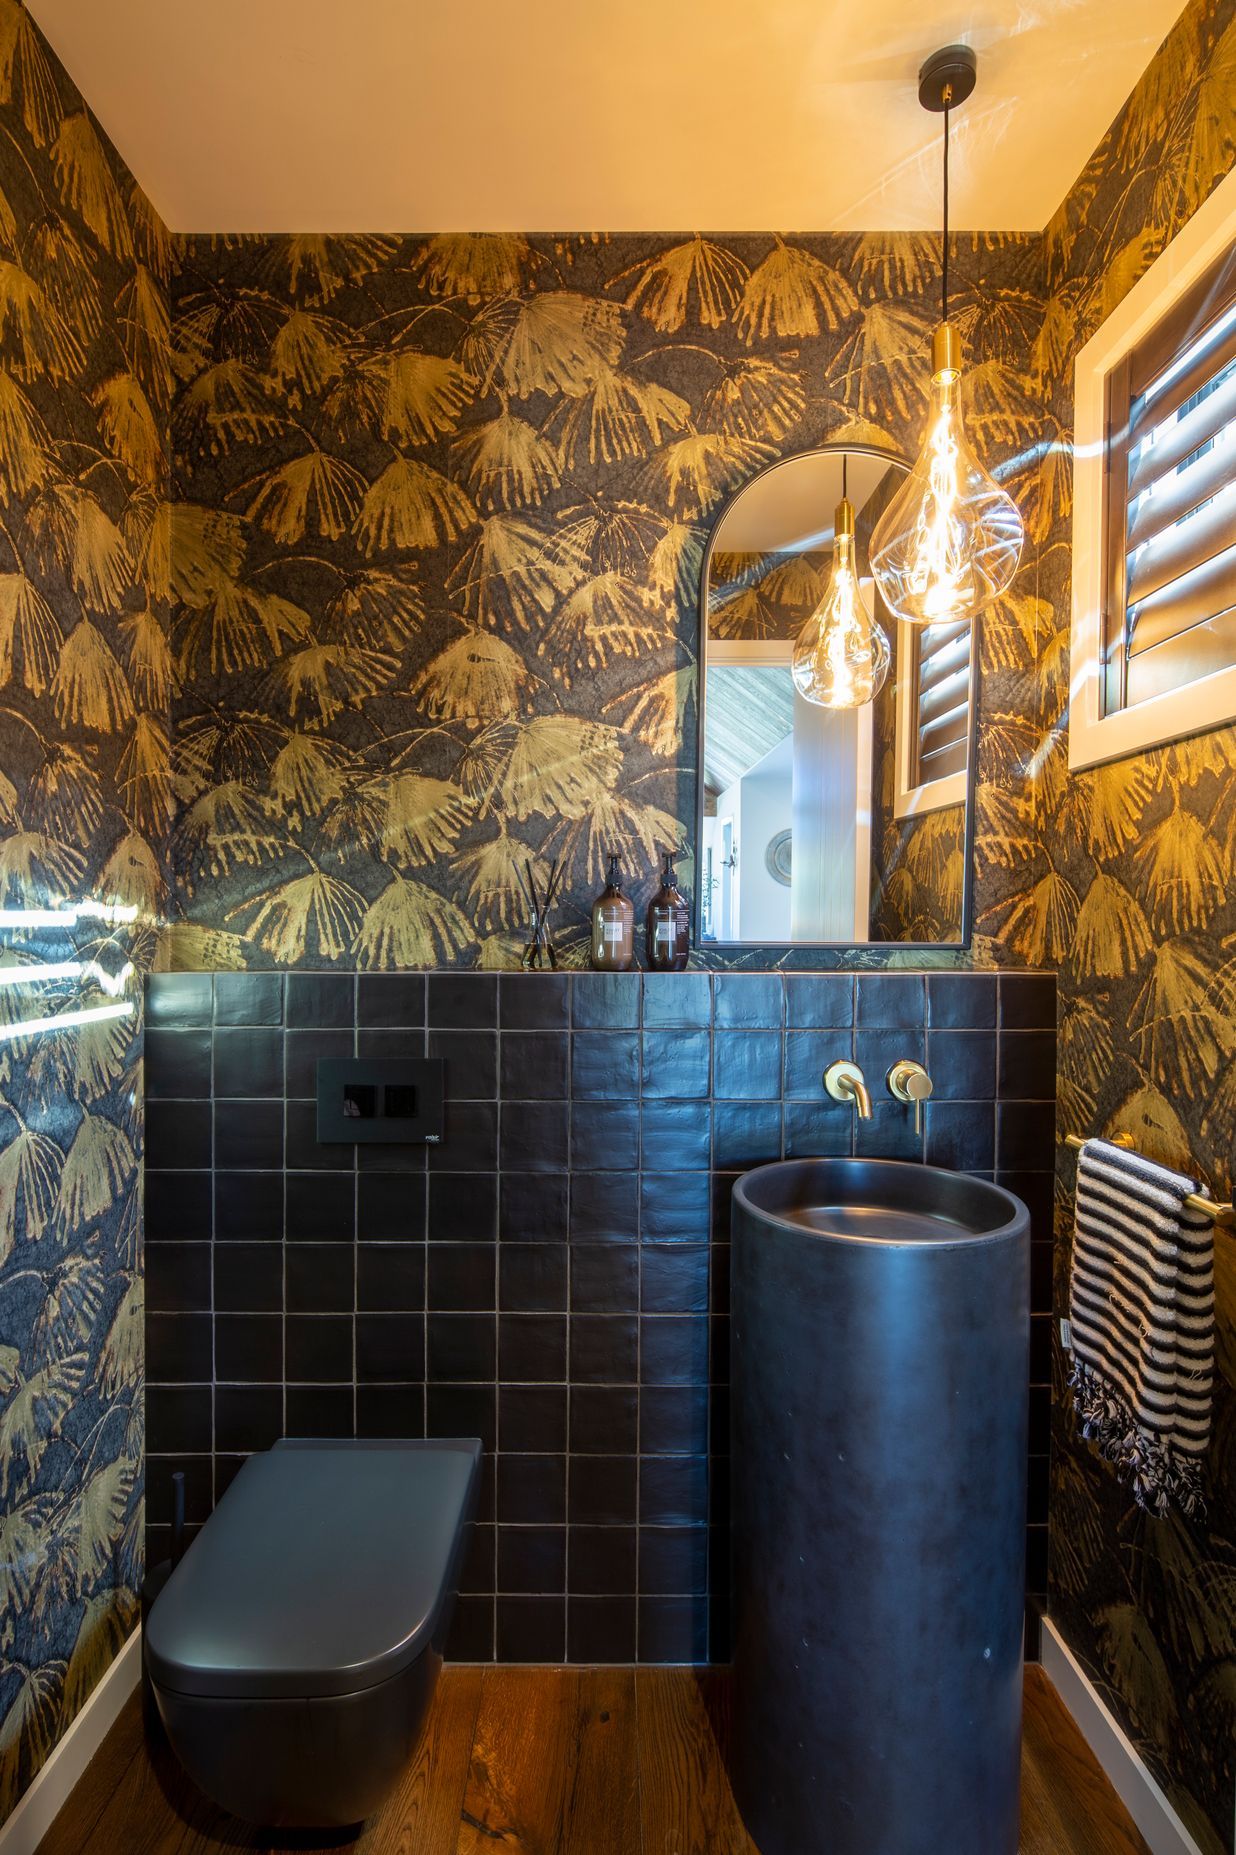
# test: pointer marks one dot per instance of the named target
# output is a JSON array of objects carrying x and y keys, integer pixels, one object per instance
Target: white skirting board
[
  {"x": 1139, "y": 1792},
  {"x": 38, "y": 1809}
]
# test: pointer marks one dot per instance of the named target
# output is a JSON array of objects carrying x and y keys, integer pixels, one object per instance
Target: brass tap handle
[{"x": 909, "y": 1081}]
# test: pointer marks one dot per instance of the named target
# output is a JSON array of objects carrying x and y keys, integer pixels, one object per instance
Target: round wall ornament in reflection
[{"x": 777, "y": 858}]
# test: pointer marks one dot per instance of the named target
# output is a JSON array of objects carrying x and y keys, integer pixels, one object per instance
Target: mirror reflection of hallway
[{"x": 825, "y": 826}]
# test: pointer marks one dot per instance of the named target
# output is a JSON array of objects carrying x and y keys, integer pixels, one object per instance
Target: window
[
  {"x": 933, "y": 720},
  {"x": 1154, "y": 583},
  {"x": 1170, "y": 515}
]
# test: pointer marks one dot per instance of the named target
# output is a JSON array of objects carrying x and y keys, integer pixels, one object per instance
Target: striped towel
[{"x": 1141, "y": 1309}]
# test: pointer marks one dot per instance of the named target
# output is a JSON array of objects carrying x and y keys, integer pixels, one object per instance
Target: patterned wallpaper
[
  {"x": 84, "y": 814},
  {"x": 1136, "y": 904},
  {"x": 440, "y": 511}
]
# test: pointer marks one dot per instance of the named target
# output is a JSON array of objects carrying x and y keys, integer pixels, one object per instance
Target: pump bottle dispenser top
[
  {"x": 669, "y": 923},
  {"x": 612, "y": 948}
]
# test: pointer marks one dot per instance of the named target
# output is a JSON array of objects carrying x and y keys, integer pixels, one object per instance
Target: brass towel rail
[{"x": 1221, "y": 1214}]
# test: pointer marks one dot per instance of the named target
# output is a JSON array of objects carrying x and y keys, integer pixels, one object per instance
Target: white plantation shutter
[
  {"x": 1170, "y": 514},
  {"x": 941, "y": 700}
]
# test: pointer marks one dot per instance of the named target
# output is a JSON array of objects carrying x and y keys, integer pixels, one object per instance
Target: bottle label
[
  {"x": 664, "y": 936},
  {"x": 611, "y": 931}
]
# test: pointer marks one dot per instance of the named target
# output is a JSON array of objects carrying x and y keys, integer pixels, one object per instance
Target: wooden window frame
[{"x": 1100, "y": 727}]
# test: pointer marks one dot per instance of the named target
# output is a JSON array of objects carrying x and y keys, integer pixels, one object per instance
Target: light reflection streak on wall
[{"x": 84, "y": 971}]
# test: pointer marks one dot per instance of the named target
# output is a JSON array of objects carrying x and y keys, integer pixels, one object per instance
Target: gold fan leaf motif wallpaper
[
  {"x": 85, "y": 815},
  {"x": 341, "y": 575},
  {"x": 440, "y": 511},
  {"x": 1138, "y": 909}
]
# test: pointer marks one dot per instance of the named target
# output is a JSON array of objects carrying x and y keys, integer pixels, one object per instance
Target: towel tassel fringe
[{"x": 1158, "y": 1476}]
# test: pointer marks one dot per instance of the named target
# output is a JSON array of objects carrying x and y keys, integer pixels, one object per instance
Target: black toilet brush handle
[{"x": 178, "y": 1517}]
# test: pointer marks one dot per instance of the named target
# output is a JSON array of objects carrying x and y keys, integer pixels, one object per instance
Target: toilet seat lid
[{"x": 325, "y": 1569}]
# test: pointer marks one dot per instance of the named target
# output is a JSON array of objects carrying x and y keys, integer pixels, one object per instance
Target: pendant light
[
  {"x": 840, "y": 656},
  {"x": 950, "y": 540}
]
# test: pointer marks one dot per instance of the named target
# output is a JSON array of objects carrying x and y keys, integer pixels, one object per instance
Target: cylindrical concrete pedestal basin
[{"x": 880, "y": 1369}]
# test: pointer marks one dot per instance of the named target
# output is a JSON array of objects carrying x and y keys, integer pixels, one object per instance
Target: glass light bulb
[
  {"x": 841, "y": 655},
  {"x": 950, "y": 540}
]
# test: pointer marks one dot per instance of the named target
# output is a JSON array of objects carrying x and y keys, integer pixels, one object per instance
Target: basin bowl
[
  {"x": 879, "y": 1398},
  {"x": 880, "y": 1201}
]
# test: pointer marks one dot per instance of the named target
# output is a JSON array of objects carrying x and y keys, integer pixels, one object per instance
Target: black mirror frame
[{"x": 775, "y": 951}]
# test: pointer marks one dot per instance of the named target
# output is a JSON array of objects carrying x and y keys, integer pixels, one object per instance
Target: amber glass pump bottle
[
  {"x": 612, "y": 948},
  {"x": 669, "y": 923}
]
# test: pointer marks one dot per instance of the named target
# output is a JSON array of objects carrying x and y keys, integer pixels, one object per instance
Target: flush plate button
[
  {"x": 395, "y": 1100},
  {"x": 360, "y": 1101}
]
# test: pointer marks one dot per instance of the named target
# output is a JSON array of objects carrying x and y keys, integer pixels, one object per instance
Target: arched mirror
[{"x": 826, "y": 826}]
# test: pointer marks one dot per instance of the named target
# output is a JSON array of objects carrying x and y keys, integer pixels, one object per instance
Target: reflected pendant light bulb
[
  {"x": 950, "y": 540},
  {"x": 841, "y": 655}
]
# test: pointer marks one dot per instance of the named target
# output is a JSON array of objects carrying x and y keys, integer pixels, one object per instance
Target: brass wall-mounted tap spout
[{"x": 845, "y": 1081}]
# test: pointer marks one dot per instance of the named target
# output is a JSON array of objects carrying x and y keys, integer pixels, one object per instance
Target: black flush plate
[{"x": 364, "y": 1101}]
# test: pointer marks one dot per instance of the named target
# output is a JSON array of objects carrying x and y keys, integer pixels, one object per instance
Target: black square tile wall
[{"x": 552, "y": 1278}]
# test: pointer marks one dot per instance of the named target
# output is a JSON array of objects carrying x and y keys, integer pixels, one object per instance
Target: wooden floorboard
[
  {"x": 557, "y": 1761},
  {"x": 521, "y": 1756},
  {"x": 423, "y": 1816},
  {"x": 73, "y": 1828},
  {"x": 601, "y": 1814},
  {"x": 152, "y": 1810},
  {"x": 686, "y": 1805},
  {"x": 1066, "y": 1801}
]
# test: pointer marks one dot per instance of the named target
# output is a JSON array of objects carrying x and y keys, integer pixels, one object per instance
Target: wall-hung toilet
[{"x": 293, "y": 1652}]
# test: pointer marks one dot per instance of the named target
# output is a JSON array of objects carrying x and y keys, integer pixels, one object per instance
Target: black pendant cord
[
  {"x": 944, "y": 239},
  {"x": 845, "y": 477}
]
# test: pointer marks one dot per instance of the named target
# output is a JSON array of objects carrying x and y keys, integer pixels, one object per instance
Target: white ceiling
[
  {"x": 577, "y": 115},
  {"x": 790, "y": 508}
]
